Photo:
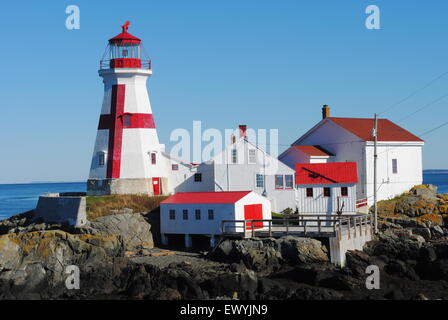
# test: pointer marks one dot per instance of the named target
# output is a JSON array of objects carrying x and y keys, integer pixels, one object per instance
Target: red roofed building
[
  {"x": 350, "y": 140},
  {"x": 196, "y": 215},
  {"x": 326, "y": 188}
]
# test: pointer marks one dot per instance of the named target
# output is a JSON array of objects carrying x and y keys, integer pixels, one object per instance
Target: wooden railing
[{"x": 317, "y": 225}]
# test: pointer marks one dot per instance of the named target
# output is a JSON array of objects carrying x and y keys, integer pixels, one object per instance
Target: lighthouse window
[
  {"x": 101, "y": 158},
  {"x": 153, "y": 158},
  {"x": 197, "y": 177},
  {"x": 125, "y": 52},
  {"x": 127, "y": 121},
  {"x": 175, "y": 167}
]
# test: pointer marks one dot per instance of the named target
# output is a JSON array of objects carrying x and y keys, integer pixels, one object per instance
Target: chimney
[
  {"x": 325, "y": 111},
  {"x": 243, "y": 129}
]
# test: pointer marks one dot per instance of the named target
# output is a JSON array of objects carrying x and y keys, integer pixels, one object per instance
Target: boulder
[
  {"x": 424, "y": 232},
  {"x": 437, "y": 231},
  {"x": 302, "y": 250},
  {"x": 132, "y": 227}
]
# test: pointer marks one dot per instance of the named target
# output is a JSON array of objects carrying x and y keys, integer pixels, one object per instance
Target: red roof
[
  {"x": 326, "y": 173},
  {"x": 313, "y": 150},
  {"x": 124, "y": 36},
  {"x": 207, "y": 197},
  {"x": 387, "y": 130}
]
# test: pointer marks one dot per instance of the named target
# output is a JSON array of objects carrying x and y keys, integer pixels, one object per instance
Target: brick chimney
[
  {"x": 325, "y": 111},
  {"x": 243, "y": 129}
]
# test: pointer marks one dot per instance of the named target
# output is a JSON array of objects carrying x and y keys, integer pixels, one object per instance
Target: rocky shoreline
[{"x": 117, "y": 260}]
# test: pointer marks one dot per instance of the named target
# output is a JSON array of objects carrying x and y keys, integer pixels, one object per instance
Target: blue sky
[{"x": 267, "y": 64}]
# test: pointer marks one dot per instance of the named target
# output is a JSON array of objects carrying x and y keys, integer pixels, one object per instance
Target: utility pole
[{"x": 375, "y": 169}]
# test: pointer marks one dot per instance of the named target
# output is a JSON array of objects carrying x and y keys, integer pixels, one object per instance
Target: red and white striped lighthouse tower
[{"x": 127, "y": 153}]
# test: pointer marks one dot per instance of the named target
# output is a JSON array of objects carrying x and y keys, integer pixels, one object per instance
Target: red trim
[
  {"x": 138, "y": 121},
  {"x": 207, "y": 197},
  {"x": 125, "y": 63},
  {"x": 115, "y": 131},
  {"x": 361, "y": 203}
]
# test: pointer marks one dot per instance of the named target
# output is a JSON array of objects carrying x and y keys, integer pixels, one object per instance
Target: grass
[{"x": 100, "y": 206}]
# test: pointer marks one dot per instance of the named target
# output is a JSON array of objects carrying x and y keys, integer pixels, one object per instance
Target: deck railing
[
  {"x": 145, "y": 64},
  {"x": 317, "y": 225}
]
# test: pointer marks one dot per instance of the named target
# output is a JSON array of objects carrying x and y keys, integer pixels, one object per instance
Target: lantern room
[{"x": 124, "y": 51}]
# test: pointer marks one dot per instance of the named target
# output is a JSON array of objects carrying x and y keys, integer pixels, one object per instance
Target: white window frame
[
  {"x": 256, "y": 180},
  {"x": 101, "y": 158},
  {"x": 252, "y": 158},
  {"x": 234, "y": 156}
]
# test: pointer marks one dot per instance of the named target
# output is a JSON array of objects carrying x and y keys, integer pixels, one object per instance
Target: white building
[
  {"x": 350, "y": 140},
  {"x": 244, "y": 166},
  {"x": 326, "y": 188},
  {"x": 193, "y": 214}
]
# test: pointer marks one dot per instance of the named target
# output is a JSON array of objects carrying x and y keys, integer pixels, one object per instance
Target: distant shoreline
[{"x": 44, "y": 182}]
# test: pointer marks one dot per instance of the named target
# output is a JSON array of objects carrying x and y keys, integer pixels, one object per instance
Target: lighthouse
[{"x": 127, "y": 156}]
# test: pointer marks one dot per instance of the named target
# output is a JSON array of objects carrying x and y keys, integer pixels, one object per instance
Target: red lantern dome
[{"x": 125, "y": 51}]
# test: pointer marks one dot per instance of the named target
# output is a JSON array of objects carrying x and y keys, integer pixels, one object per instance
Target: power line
[
  {"x": 414, "y": 93},
  {"x": 424, "y": 107}
]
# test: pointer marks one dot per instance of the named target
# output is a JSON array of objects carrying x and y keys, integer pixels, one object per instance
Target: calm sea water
[{"x": 17, "y": 198}]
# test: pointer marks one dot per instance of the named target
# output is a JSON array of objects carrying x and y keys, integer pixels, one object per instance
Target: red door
[
  {"x": 253, "y": 212},
  {"x": 156, "y": 186}
]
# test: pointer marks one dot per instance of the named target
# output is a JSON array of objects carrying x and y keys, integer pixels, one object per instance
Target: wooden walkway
[{"x": 318, "y": 226}]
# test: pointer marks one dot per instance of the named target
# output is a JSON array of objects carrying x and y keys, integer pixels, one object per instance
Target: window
[
  {"x": 289, "y": 181},
  {"x": 259, "y": 181},
  {"x": 278, "y": 181},
  {"x": 197, "y": 177},
  {"x": 175, "y": 167},
  {"x": 101, "y": 158},
  {"x": 185, "y": 214},
  {"x": 172, "y": 214},
  {"x": 234, "y": 156},
  {"x": 153, "y": 158},
  {"x": 197, "y": 214},
  {"x": 252, "y": 156},
  {"x": 309, "y": 192},
  {"x": 211, "y": 214},
  {"x": 394, "y": 166},
  {"x": 327, "y": 192},
  {"x": 344, "y": 191},
  {"x": 126, "y": 121}
]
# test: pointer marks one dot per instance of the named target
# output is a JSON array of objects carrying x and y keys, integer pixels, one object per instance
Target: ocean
[{"x": 17, "y": 198}]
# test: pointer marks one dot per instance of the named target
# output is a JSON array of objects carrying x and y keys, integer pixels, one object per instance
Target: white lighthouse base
[{"x": 101, "y": 187}]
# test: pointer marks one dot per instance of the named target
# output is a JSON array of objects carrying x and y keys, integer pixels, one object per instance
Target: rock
[
  {"x": 427, "y": 254},
  {"x": 437, "y": 231},
  {"x": 302, "y": 250},
  {"x": 424, "y": 232},
  {"x": 267, "y": 255},
  {"x": 357, "y": 261},
  {"x": 133, "y": 228}
]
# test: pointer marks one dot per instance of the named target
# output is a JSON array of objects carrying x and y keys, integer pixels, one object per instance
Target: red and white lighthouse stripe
[{"x": 127, "y": 145}]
